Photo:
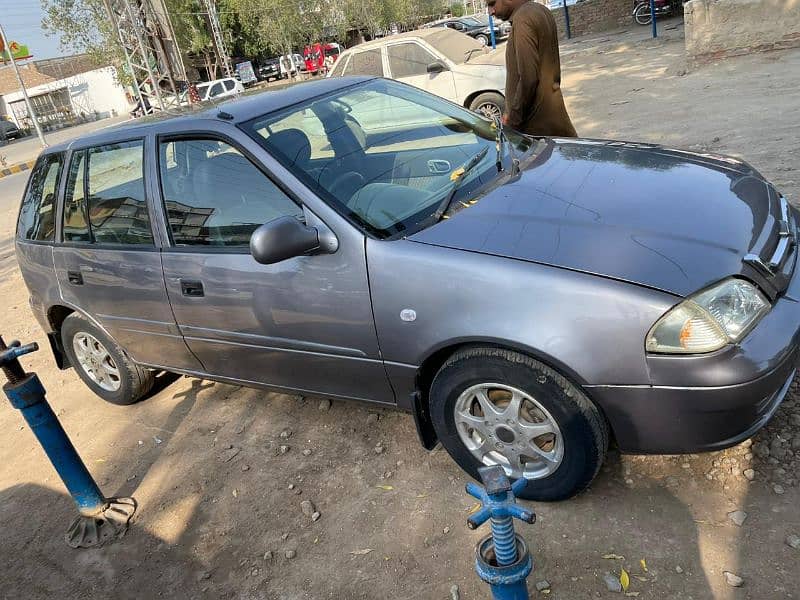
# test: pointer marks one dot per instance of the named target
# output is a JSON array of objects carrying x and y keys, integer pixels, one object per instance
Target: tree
[
  {"x": 457, "y": 10},
  {"x": 84, "y": 26}
]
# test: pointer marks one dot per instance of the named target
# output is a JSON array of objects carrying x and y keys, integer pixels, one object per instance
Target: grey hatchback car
[{"x": 526, "y": 299}]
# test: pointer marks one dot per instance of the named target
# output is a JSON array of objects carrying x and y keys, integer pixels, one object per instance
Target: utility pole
[
  {"x": 151, "y": 51},
  {"x": 223, "y": 58},
  {"x": 31, "y": 114}
]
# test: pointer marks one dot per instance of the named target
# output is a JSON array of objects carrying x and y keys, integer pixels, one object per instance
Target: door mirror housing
[
  {"x": 437, "y": 67},
  {"x": 282, "y": 238}
]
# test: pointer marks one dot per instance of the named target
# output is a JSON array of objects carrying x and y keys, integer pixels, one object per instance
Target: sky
[{"x": 21, "y": 20}]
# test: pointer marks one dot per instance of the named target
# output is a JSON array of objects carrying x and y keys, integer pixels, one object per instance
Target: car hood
[{"x": 671, "y": 220}]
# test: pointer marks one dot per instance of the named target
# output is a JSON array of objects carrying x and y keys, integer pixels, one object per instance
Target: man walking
[{"x": 534, "y": 103}]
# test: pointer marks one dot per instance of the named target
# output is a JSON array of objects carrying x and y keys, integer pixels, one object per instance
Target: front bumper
[{"x": 713, "y": 401}]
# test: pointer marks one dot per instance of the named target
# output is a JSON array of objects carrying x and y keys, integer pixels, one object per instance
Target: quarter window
[
  {"x": 367, "y": 62},
  {"x": 37, "y": 216},
  {"x": 409, "y": 60},
  {"x": 215, "y": 196}
]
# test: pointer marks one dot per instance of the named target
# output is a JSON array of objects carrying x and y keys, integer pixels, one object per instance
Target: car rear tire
[
  {"x": 494, "y": 406},
  {"x": 489, "y": 104},
  {"x": 102, "y": 365}
]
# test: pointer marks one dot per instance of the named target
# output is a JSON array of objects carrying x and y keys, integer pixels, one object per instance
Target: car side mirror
[
  {"x": 437, "y": 67},
  {"x": 282, "y": 238}
]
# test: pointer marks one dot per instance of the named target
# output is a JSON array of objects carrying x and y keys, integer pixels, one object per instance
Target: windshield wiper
[
  {"x": 458, "y": 176},
  {"x": 468, "y": 53},
  {"x": 500, "y": 140}
]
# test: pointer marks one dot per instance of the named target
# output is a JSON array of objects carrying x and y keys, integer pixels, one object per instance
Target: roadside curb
[{"x": 17, "y": 168}]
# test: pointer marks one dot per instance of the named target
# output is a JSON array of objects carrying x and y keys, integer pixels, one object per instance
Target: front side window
[
  {"x": 37, "y": 215},
  {"x": 214, "y": 195},
  {"x": 384, "y": 154},
  {"x": 409, "y": 59},
  {"x": 105, "y": 200},
  {"x": 367, "y": 62}
]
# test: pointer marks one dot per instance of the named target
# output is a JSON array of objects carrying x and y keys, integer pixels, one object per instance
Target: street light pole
[{"x": 22, "y": 87}]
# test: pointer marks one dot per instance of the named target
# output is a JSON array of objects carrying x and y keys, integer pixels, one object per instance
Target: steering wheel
[{"x": 346, "y": 184}]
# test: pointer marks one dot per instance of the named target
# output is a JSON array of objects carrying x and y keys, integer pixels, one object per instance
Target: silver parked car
[
  {"x": 526, "y": 299},
  {"x": 439, "y": 60}
]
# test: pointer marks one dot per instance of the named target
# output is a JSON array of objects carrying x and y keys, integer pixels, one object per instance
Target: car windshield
[
  {"x": 453, "y": 44},
  {"x": 470, "y": 21},
  {"x": 385, "y": 155}
]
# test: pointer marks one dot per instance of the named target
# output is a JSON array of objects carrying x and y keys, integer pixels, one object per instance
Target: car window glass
[
  {"x": 116, "y": 201},
  {"x": 396, "y": 150},
  {"x": 367, "y": 62},
  {"x": 216, "y": 90},
  {"x": 310, "y": 126},
  {"x": 229, "y": 84},
  {"x": 201, "y": 90},
  {"x": 217, "y": 197},
  {"x": 75, "y": 225},
  {"x": 37, "y": 215},
  {"x": 409, "y": 59}
]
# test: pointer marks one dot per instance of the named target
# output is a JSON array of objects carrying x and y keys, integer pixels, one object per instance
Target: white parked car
[
  {"x": 219, "y": 88},
  {"x": 440, "y": 61}
]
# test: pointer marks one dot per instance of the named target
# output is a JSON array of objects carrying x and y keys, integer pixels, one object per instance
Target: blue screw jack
[
  {"x": 502, "y": 559},
  {"x": 100, "y": 519}
]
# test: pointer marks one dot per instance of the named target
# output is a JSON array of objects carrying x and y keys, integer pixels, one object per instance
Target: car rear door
[
  {"x": 107, "y": 262},
  {"x": 408, "y": 62},
  {"x": 304, "y": 323}
]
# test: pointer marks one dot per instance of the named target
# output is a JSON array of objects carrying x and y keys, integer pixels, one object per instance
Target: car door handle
[
  {"x": 192, "y": 288},
  {"x": 75, "y": 277}
]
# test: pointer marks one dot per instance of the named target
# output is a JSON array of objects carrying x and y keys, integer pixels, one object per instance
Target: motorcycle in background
[{"x": 663, "y": 8}]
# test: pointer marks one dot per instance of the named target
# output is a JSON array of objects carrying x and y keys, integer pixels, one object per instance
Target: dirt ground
[{"x": 219, "y": 501}]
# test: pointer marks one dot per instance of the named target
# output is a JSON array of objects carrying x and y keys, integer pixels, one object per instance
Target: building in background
[{"x": 64, "y": 91}]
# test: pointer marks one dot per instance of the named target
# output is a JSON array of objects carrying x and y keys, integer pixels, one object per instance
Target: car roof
[
  {"x": 431, "y": 34},
  {"x": 247, "y": 106}
]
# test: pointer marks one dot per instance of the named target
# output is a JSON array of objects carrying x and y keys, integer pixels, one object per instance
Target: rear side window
[
  {"x": 409, "y": 59},
  {"x": 76, "y": 227},
  {"x": 37, "y": 215},
  {"x": 216, "y": 90},
  {"x": 105, "y": 201},
  {"x": 229, "y": 84},
  {"x": 367, "y": 62}
]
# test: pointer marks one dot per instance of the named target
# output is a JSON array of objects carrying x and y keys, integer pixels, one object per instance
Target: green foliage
[
  {"x": 457, "y": 10},
  {"x": 84, "y": 26}
]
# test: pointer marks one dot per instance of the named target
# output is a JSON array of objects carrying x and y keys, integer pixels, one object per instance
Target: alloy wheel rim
[
  {"x": 502, "y": 425},
  {"x": 489, "y": 110},
  {"x": 96, "y": 361}
]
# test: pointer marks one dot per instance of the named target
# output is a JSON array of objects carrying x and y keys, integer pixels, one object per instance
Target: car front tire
[
  {"x": 482, "y": 40},
  {"x": 494, "y": 406},
  {"x": 102, "y": 365}
]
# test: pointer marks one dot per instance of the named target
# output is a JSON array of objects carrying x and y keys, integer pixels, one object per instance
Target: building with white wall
[{"x": 63, "y": 91}]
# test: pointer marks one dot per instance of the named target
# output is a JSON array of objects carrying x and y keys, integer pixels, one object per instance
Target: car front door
[
  {"x": 304, "y": 323},
  {"x": 107, "y": 262},
  {"x": 409, "y": 61}
]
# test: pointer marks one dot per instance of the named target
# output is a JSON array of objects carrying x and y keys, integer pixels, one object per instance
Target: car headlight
[{"x": 709, "y": 320}]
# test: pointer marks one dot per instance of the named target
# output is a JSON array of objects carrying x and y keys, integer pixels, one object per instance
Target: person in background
[{"x": 534, "y": 104}]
